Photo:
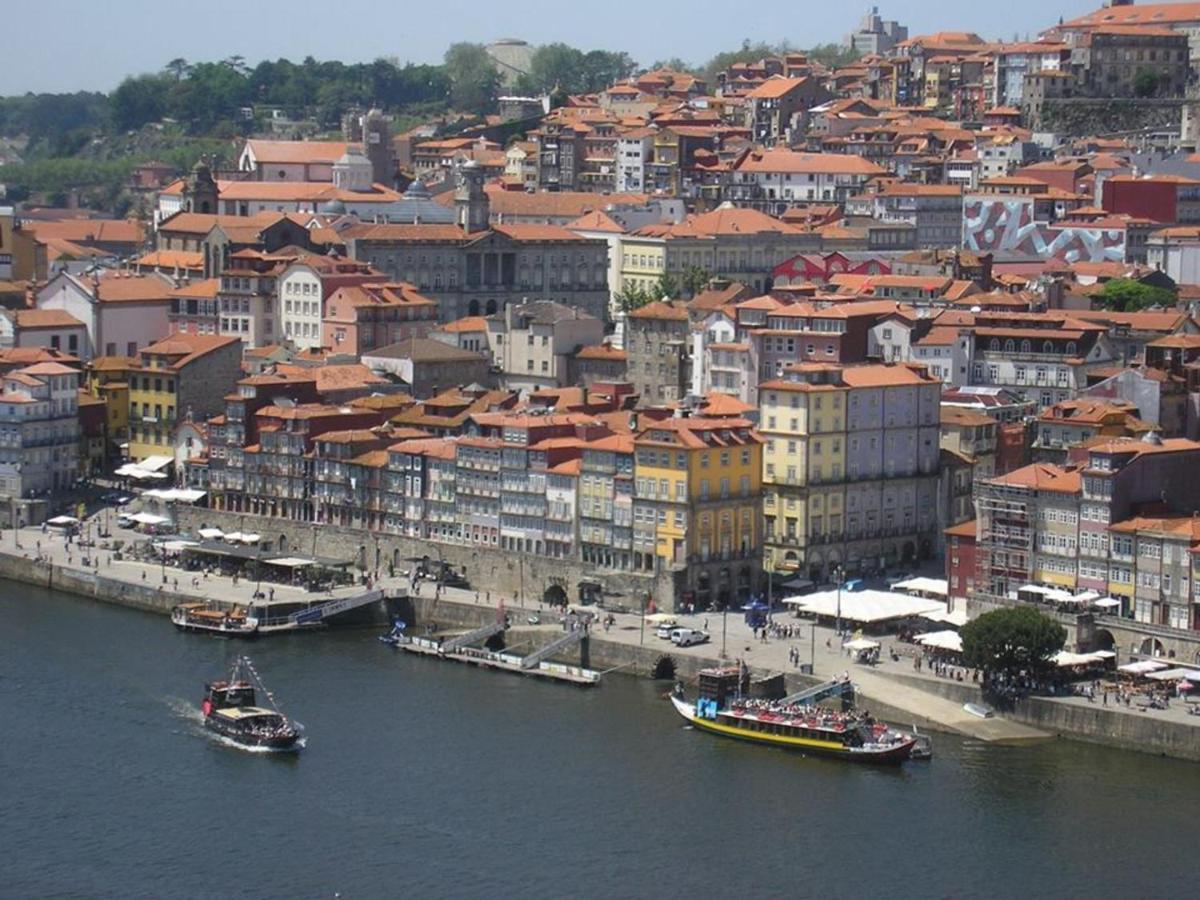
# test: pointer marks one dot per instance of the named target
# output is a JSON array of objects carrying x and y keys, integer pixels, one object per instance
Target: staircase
[
  {"x": 478, "y": 636},
  {"x": 323, "y": 611},
  {"x": 570, "y": 639}
]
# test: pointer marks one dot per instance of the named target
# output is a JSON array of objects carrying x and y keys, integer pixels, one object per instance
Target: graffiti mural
[{"x": 1006, "y": 226}]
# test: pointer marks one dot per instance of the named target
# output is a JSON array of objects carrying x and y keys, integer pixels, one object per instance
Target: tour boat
[
  {"x": 235, "y": 622},
  {"x": 720, "y": 709},
  {"x": 230, "y": 709}
]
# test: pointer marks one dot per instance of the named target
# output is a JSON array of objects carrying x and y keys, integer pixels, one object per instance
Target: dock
[{"x": 458, "y": 649}]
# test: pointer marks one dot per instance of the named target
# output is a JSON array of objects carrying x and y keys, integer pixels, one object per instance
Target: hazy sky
[{"x": 68, "y": 45}]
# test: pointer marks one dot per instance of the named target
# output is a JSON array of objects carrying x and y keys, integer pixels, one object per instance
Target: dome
[
  {"x": 417, "y": 191},
  {"x": 333, "y": 207}
]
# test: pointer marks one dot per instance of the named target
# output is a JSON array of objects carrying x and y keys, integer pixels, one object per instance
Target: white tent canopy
[
  {"x": 62, "y": 521},
  {"x": 237, "y": 537},
  {"x": 155, "y": 463},
  {"x": 1106, "y": 602},
  {"x": 1142, "y": 667},
  {"x": 292, "y": 562},
  {"x": 1064, "y": 659},
  {"x": 860, "y": 644},
  {"x": 176, "y": 546},
  {"x": 1175, "y": 675},
  {"x": 211, "y": 534},
  {"x": 137, "y": 473},
  {"x": 957, "y": 618},
  {"x": 174, "y": 495},
  {"x": 660, "y": 619},
  {"x": 923, "y": 585},
  {"x": 145, "y": 518},
  {"x": 865, "y": 606},
  {"x": 941, "y": 640}
]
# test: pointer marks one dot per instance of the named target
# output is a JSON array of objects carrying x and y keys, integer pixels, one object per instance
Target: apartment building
[
  {"x": 303, "y": 287},
  {"x": 772, "y": 180},
  {"x": 364, "y": 317},
  {"x": 534, "y": 344},
  {"x": 183, "y": 374},
  {"x": 850, "y": 473},
  {"x": 698, "y": 506},
  {"x": 656, "y": 346},
  {"x": 39, "y": 430}
]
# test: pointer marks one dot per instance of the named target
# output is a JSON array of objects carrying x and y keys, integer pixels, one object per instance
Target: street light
[{"x": 837, "y": 573}]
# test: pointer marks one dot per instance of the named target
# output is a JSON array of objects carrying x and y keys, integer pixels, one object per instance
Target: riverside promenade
[{"x": 893, "y": 690}]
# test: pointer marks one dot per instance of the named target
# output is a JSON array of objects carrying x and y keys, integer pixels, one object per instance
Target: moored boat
[
  {"x": 205, "y": 617},
  {"x": 231, "y": 710},
  {"x": 722, "y": 710}
]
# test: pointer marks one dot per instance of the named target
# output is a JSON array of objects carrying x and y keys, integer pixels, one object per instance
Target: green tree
[
  {"x": 1012, "y": 640},
  {"x": 1127, "y": 295},
  {"x": 473, "y": 78},
  {"x": 665, "y": 288},
  {"x": 178, "y": 68},
  {"x": 695, "y": 279},
  {"x": 632, "y": 297},
  {"x": 139, "y": 100},
  {"x": 1145, "y": 83}
]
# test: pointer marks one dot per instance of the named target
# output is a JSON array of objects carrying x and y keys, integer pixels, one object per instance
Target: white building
[
  {"x": 633, "y": 152},
  {"x": 304, "y": 286},
  {"x": 123, "y": 312},
  {"x": 39, "y": 430}
]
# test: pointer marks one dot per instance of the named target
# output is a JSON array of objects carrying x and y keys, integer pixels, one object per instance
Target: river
[{"x": 423, "y": 779}]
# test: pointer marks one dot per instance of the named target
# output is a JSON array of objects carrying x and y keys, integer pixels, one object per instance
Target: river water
[{"x": 425, "y": 779}]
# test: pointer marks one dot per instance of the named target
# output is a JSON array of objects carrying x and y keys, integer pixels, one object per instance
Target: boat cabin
[{"x": 223, "y": 695}]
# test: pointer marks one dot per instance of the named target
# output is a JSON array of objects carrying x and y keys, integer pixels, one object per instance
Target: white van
[{"x": 686, "y": 637}]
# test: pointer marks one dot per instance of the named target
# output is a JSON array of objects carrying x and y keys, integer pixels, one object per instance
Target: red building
[
  {"x": 1162, "y": 198},
  {"x": 961, "y": 565}
]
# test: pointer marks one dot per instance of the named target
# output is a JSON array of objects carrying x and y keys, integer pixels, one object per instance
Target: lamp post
[{"x": 837, "y": 573}]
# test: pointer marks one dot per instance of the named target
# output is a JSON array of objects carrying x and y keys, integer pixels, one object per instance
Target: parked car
[
  {"x": 664, "y": 630},
  {"x": 125, "y": 521},
  {"x": 687, "y": 637}
]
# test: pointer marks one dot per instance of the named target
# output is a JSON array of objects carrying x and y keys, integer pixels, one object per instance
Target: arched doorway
[
  {"x": 1151, "y": 647},
  {"x": 283, "y": 543},
  {"x": 664, "y": 669},
  {"x": 555, "y": 595},
  {"x": 491, "y": 307},
  {"x": 473, "y": 308},
  {"x": 1103, "y": 639}
]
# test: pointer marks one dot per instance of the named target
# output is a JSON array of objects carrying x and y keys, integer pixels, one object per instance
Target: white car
[
  {"x": 687, "y": 637},
  {"x": 664, "y": 630}
]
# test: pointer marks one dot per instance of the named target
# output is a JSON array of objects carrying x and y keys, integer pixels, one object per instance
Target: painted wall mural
[{"x": 1006, "y": 226}]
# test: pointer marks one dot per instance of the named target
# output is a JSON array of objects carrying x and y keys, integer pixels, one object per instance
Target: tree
[
  {"x": 665, "y": 288},
  {"x": 1145, "y": 83},
  {"x": 179, "y": 68},
  {"x": 473, "y": 78},
  {"x": 695, "y": 279},
  {"x": 139, "y": 100},
  {"x": 1127, "y": 295},
  {"x": 1012, "y": 640},
  {"x": 631, "y": 297}
]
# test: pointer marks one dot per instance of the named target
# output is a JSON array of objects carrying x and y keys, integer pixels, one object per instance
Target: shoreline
[{"x": 926, "y": 703}]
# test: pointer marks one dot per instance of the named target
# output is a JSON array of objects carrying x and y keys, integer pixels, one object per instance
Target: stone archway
[
  {"x": 1102, "y": 639},
  {"x": 283, "y": 543},
  {"x": 664, "y": 669},
  {"x": 1151, "y": 646},
  {"x": 555, "y": 595}
]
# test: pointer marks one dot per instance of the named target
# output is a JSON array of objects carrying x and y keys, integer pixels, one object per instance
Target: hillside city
[{"x": 698, "y": 335}]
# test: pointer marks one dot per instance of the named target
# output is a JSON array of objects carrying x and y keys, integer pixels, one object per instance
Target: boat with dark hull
[
  {"x": 721, "y": 709},
  {"x": 231, "y": 710}
]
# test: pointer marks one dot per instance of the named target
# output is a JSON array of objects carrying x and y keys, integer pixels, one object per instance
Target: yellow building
[
  {"x": 698, "y": 505},
  {"x": 850, "y": 467},
  {"x": 108, "y": 380},
  {"x": 181, "y": 374}
]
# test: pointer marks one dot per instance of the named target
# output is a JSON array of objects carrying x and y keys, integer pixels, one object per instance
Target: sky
[{"x": 70, "y": 45}]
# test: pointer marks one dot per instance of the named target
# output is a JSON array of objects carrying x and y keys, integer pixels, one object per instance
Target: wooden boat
[
  {"x": 230, "y": 709},
  {"x": 812, "y": 729},
  {"x": 205, "y": 617}
]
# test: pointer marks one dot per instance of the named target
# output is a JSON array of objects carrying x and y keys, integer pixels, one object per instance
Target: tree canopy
[
  {"x": 574, "y": 71},
  {"x": 831, "y": 55},
  {"x": 1127, "y": 295},
  {"x": 1012, "y": 640}
]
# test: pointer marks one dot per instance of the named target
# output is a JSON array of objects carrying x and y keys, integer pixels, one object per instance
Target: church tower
[
  {"x": 471, "y": 204},
  {"x": 377, "y": 142},
  {"x": 200, "y": 190}
]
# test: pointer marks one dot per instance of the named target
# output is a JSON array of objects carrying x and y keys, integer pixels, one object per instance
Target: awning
[
  {"x": 62, "y": 521},
  {"x": 865, "y": 606},
  {"x": 237, "y": 537},
  {"x": 145, "y": 518},
  {"x": 156, "y": 463},
  {"x": 661, "y": 619},
  {"x": 137, "y": 473},
  {"x": 1175, "y": 675},
  {"x": 922, "y": 585},
  {"x": 1142, "y": 667},
  {"x": 1065, "y": 659},
  {"x": 211, "y": 533},
  {"x": 1107, "y": 603},
  {"x": 176, "y": 546},
  {"x": 958, "y": 618},
  {"x": 174, "y": 495},
  {"x": 291, "y": 562},
  {"x": 941, "y": 640},
  {"x": 860, "y": 644}
]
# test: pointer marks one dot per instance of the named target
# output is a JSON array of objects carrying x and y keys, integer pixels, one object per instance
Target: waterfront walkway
[{"x": 894, "y": 685}]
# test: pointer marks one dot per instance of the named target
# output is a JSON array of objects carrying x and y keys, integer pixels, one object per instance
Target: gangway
[
  {"x": 555, "y": 646},
  {"x": 323, "y": 611},
  {"x": 813, "y": 695},
  {"x": 478, "y": 636}
]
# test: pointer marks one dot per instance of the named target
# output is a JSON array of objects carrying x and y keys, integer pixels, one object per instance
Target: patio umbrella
[{"x": 1185, "y": 685}]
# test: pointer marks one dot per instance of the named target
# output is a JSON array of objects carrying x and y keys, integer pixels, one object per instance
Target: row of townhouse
[
  {"x": 1108, "y": 525},
  {"x": 679, "y": 494}
]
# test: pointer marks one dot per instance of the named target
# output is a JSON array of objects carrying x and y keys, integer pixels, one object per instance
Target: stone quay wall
[{"x": 500, "y": 574}]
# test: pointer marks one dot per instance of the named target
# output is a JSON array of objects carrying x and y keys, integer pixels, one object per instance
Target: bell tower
[
  {"x": 471, "y": 204},
  {"x": 200, "y": 192}
]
